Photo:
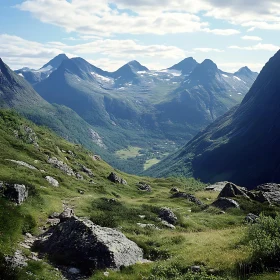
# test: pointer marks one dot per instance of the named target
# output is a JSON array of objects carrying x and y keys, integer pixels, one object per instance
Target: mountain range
[
  {"x": 134, "y": 108},
  {"x": 241, "y": 146}
]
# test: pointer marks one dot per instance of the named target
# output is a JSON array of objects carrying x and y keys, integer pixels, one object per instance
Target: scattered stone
[
  {"x": 167, "y": 215},
  {"x": 187, "y": 196},
  {"x": 14, "y": 192},
  {"x": 52, "y": 181},
  {"x": 142, "y": 216},
  {"x": 231, "y": 190},
  {"x": 53, "y": 222},
  {"x": 251, "y": 218},
  {"x": 79, "y": 176},
  {"x": 92, "y": 182},
  {"x": 88, "y": 171},
  {"x": 113, "y": 177},
  {"x": 150, "y": 226},
  {"x": 166, "y": 224},
  {"x": 195, "y": 268},
  {"x": 144, "y": 187},
  {"x": 70, "y": 153},
  {"x": 17, "y": 260},
  {"x": 66, "y": 214},
  {"x": 174, "y": 190},
  {"x": 62, "y": 166},
  {"x": 106, "y": 274},
  {"x": 54, "y": 215},
  {"x": 30, "y": 136},
  {"x": 217, "y": 187},
  {"x": 22, "y": 163},
  {"x": 81, "y": 192},
  {"x": 86, "y": 246},
  {"x": 225, "y": 203}
]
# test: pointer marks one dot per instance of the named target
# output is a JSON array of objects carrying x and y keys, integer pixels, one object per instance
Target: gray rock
[
  {"x": 113, "y": 177},
  {"x": 269, "y": 192},
  {"x": 22, "y": 163},
  {"x": 14, "y": 192},
  {"x": 217, "y": 187},
  {"x": 54, "y": 215},
  {"x": 251, "y": 218},
  {"x": 195, "y": 268},
  {"x": 167, "y": 215},
  {"x": 74, "y": 270},
  {"x": 79, "y": 176},
  {"x": 62, "y": 166},
  {"x": 88, "y": 171},
  {"x": 224, "y": 203},
  {"x": 52, "y": 181},
  {"x": 66, "y": 214},
  {"x": 96, "y": 157},
  {"x": 187, "y": 196},
  {"x": 150, "y": 226},
  {"x": 144, "y": 187},
  {"x": 168, "y": 225},
  {"x": 231, "y": 190},
  {"x": 81, "y": 244}
]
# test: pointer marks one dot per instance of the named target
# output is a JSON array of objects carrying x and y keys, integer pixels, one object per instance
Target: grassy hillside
[{"x": 202, "y": 236}]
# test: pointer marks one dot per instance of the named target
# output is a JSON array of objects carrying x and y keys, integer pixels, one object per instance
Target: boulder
[
  {"x": 22, "y": 163},
  {"x": 231, "y": 190},
  {"x": 217, "y": 187},
  {"x": 167, "y": 215},
  {"x": 224, "y": 203},
  {"x": 168, "y": 225},
  {"x": 251, "y": 218},
  {"x": 144, "y": 187},
  {"x": 81, "y": 244},
  {"x": 61, "y": 165},
  {"x": 270, "y": 192},
  {"x": 96, "y": 157},
  {"x": 52, "y": 181},
  {"x": 113, "y": 177},
  {"x": 187, "y": 196},
  {"x": 88, "y": 171},
  {"x": 14, "y": 192}
]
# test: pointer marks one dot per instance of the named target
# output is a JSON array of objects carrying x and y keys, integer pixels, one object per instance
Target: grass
[
  {"x": 202, "y": 236},
  {"x": 150, "y": 162},
  {"x": 130, "y": 152}
]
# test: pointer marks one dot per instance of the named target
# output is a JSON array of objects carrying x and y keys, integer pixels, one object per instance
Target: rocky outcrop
[
  {"x": 113, "y": 177},
  {"x": 270, "y": 192},
  {"x": 231, "y": 190},
  {"x": 81, "y": 244},
  {"x": 167, "y": 215},
  {"x": 66, "y": 214},
  {"x": 18, "y": 260},
  {"x": 14, "y": 192},
  {"x": 225, "y": 203},
  {"x": 22, "y": 163},
  {"x": 187, "y": 196},
  {"x": 144, "y": 187},
  {"x": 52, "y": 181},
  {"x": 61, "y": 165}
]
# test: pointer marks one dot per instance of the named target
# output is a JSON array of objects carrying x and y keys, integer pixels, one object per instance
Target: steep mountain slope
[
  {"x": 242, "y": 145},
  {"x": 186, "y": 66},
  {"x": 36, "y": 76},
  {"x": 17, "y": 94}
]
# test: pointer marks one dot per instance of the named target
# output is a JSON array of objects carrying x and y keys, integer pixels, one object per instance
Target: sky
[{"x": 157, "y": 33}]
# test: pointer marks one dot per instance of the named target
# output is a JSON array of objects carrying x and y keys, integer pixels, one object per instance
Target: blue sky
[{"x": 157, "y": 33}]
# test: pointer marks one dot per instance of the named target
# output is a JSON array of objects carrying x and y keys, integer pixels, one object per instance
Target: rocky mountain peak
[
  {"x": 186, "y": 66},
  {"x": 56, "y": 61}
]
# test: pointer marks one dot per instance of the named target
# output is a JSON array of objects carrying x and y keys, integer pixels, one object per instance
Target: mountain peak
[
  {"x": 244, "y": 71},
  {"x": 186, "y": 66},
  {"x": 136, "y": 66},
  {"x": 56, "y": 61}
]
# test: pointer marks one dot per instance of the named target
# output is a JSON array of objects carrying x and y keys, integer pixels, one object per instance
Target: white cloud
[
  {"x": 252, "y": 38},
  {"x": 258, "y": 47},
  {"x": 207, "y": 50},
  {"x": 148, "y": 17}
]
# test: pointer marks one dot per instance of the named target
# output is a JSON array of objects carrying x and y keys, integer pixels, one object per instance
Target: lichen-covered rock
[
  {"x": 167, "y": 215},
  {"x": 14, "y": 192},
  {"x": 113, "y": 177},
  {"x": 52, "y": 181},
  {"x": 187, "y": 196},
  {"x": 86, "y": 246},
  {"x": 231, "y": 190},
  {"x": 62, "y": 166},
  {"x": 225, "y": 203}
]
